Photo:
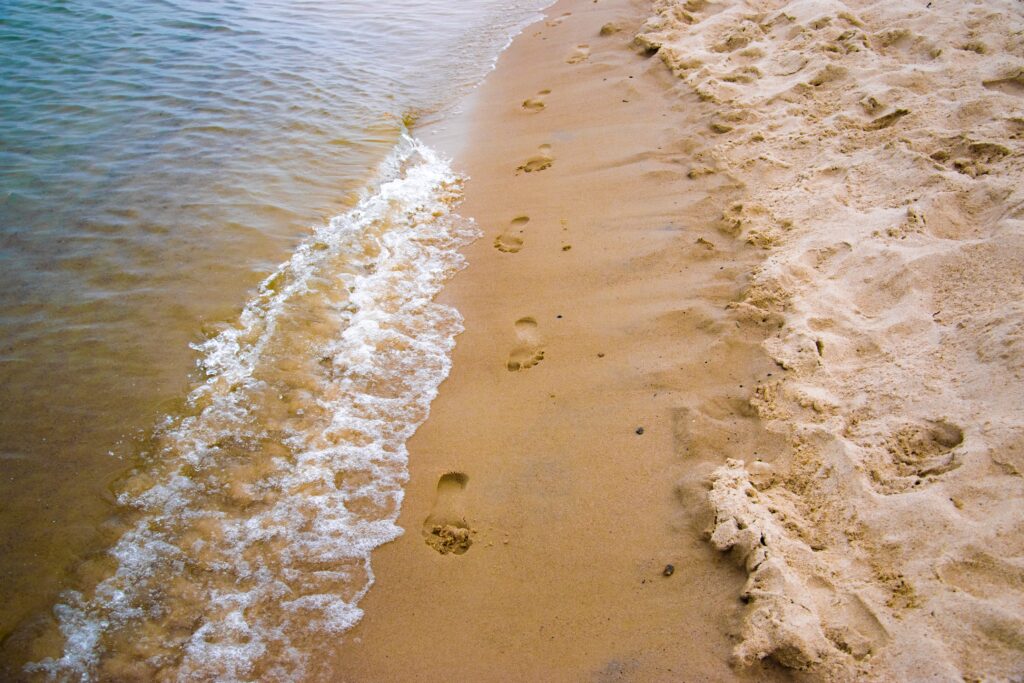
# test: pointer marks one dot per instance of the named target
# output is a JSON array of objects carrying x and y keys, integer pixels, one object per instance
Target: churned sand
[
  {"x": 879, "y": 144},
  {"x": 739, "y": 395}
]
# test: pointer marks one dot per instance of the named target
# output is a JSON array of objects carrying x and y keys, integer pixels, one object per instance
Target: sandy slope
[{"x": 879, "y": 144}]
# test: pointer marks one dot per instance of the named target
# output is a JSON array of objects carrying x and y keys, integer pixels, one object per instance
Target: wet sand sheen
[{"x": 599, "y": 366}]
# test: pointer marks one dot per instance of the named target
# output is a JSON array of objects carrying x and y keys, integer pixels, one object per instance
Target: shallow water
[{"x": 158, "y": 162}]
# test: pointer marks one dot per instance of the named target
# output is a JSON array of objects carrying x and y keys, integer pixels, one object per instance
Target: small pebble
[
  {"x": 600, "y": 355},
  {"x": 639, "y": 430},
  {"x": 669, "y": 570}
]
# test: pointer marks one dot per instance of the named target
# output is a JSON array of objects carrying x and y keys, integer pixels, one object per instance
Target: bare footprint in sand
[
  {"x": 916, "y": 453},
  {"x": 536, "y": 103},
  {"x": 559, "y": 20},
  {"x": 511, "y": 241},
  {"x": 579, "y": 54},
  {"x": 1011, "y": 84},
  {"x": 528, "y": 351},
  {"x": 541, "y": 161},
  {"x": 445, "y": 529}
]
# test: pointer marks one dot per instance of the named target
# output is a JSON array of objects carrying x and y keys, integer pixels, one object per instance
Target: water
[{"x": 216, "y": 334}]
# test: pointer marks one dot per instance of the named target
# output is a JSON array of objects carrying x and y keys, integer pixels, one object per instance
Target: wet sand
[
  {"x": 747, "y": 305},
  {"x": 600, "y": 379},
  {"x": 738, "y": 393}
]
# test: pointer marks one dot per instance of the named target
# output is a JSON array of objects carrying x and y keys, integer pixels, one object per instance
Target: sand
[
  {"x": 880, "y": 147},
  {"x": 748, "y": 304}
]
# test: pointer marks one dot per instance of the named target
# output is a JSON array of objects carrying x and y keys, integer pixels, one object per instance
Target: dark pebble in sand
[
  {"x": 639, "y": 430},
  {"x": 669, "y": 570}
]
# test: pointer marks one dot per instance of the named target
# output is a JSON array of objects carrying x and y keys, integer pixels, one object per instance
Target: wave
[{"x": 247, "y": 533}]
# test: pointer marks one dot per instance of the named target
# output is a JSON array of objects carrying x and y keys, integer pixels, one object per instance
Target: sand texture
[
  {"x": 600, "y": 380},
  {"x": 738, "y": 396},
  {"x": 878, "y": 146}
]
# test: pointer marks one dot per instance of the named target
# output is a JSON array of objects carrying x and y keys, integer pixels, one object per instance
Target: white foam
[{"x": 253, "y": 524}]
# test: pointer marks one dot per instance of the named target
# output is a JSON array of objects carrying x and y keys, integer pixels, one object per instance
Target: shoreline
[
  {"x": 155, "y": 252},
  {"x": 566, "y": 438},
  {"x": 735, "y": 394}
]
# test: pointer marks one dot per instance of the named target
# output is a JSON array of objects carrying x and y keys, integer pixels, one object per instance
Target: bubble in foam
[{"x": 249, "y": 530}]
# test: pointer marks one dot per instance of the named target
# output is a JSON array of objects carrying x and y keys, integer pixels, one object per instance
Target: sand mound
[{"x": 880, "y": 146}]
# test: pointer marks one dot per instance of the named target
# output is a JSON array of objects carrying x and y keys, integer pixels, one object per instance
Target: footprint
[
  {"x": 511, "y": 241},
  {"x": 559, "y": 20},
  {"x": 445, "y": 529},
  {"x": 916, "y": 452},
  {"x": 851, "y": 624},
  {"x": 541, "y": 161},
  {"x": 578, "y": 55},
  {"x": 982, "y": 574},
  {"x": 528, "y": 351},
  {"x": 1011, "y": 84},
  {"x": 971, "y": 158},
  {"x": 536, "y": 104},
  {"x": 924, "y": 449},
  {"x": 565, "y": 235}
]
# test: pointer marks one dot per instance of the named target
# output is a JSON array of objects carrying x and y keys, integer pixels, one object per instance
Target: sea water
[{"x": 219, "y": 248}]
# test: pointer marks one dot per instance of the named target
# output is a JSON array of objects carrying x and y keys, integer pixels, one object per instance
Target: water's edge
[{"x": 248, "y": 535}]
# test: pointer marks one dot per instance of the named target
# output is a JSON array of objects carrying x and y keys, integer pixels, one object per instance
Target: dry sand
[{"x": 749, "y": 304}]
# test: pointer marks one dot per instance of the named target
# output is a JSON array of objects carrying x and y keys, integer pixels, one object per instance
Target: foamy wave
[{"x": 248, "y": 536}]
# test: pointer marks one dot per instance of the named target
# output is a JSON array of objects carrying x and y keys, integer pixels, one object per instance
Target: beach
[
  {"x": 687, "y": 345},
  {"x": 732, "y": 314},
  {"x": 600, "y": 378}
]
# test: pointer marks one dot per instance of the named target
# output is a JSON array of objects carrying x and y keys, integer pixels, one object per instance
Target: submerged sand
[{"x": 748, "y": 304}]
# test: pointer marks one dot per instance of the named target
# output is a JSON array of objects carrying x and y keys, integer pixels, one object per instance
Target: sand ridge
[{"x": 880, "y": 146}]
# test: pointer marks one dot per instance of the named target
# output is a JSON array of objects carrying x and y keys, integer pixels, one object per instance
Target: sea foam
[{"x": 246, "y": 537}]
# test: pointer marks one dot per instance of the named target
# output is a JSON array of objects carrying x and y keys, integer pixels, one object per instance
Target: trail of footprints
[
  {"x": 559, "y": 20},
  {"x": 528, "y": 349},
  {"x": 445, "y": 529}
]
